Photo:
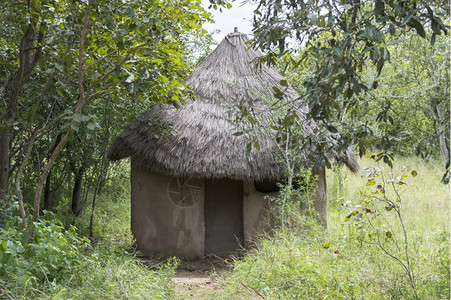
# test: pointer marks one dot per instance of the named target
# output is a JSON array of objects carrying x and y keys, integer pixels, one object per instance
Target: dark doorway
[{"x": 223, "y": 216}]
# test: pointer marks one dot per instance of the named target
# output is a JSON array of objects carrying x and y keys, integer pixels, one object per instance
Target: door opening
[{"x": 223, "y": 216}]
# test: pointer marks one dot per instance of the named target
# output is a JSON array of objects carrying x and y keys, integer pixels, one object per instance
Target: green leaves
[
  {"x": 55, "y": 254},
  {"x": 130, "y": 79},
  {"x": 373, "y": 211},
  {"x": 130, "y": 12},
  {"x": 277, "y": 92},
  {"x": 248, "y": 149},
  {"x": 418, "y": 27},
  {"x": 78, "y": 122},
  {"x": 312, "y": 17},
  {"x": 336, "y": 44},
  {"x": 379, "y": 10},
  {"x": 370, "y": 182},
  {"x": 93, "y": 126}
]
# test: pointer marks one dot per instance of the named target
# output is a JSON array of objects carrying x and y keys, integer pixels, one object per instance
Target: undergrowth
[
  {"x": 61, "y": 264},
  {"x": 300, "y": 259},
  {"x": 310, "y": 262}
]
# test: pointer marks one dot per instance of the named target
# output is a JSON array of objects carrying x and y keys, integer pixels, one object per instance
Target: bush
[
  {"x": 52, "y": 257},
  {"x": 60, "y": 264},
  {"x": 301, "y": 261}
]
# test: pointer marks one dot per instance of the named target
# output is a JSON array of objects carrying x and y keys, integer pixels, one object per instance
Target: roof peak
[
  {"x": 235, "y": 38},
  {"x": 236, "y": 33}
]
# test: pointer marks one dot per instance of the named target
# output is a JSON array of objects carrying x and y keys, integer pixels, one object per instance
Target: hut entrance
[{"x": 223, "y": 216}]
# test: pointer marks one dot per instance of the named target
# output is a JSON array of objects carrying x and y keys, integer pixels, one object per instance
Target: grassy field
[
  {"x": 300, "y": 262},
  {"x": 64, "y": 265}
]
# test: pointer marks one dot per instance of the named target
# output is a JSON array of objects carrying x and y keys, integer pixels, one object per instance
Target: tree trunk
[
  {"x": 81, "y": 103},
  {"x": 4, "y": 161},
  {"x": 47, "y": 191},
  {"x": 44, "y": 175},
  {"x": 29, "y": 56},
  {"x": 442, "y": 123},
  {"x": 19, "y": 178},
  {"x": 48, "y": 180},
  {"x": 101, "y": 178},
  {"x": 78, "y": 174},
  {"x": 96, "y": 191}
]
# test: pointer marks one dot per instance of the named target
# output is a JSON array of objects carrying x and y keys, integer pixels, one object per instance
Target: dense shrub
[
  {"x": 303, "y": 261},
  {"x": 54, "y": 256},
  {"x": 59, "y": 264}
]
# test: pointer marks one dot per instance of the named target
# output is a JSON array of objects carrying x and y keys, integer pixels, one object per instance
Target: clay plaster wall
[
  {"x": 161, "y": 226},
  {"x": 255, "y": 212},
  {"x": 158, "y": 224}
]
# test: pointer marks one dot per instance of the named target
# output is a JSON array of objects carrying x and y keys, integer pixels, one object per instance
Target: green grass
[
  {"x": 104, "y": 276},
  {"x": 122, "y": 277},
  {"x": 64, "y": 266},
  {"x": 112, "y": 210},
  {"x": 294, "y": 264}
]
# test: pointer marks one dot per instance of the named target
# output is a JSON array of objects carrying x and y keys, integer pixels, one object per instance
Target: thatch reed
[{"x": 205, "y": 145}]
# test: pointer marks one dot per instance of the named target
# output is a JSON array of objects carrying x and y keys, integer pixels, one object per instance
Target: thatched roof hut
[
  {"x": 194, "y": 192},
  {"x": 204, "y": 145}
]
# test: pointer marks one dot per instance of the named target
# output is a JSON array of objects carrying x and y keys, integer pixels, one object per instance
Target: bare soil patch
[{"x": 195, "y": 279}]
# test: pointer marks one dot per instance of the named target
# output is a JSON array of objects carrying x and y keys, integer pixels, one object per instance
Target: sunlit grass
[
  {"x": 426, "y": 214},
  {"x": 340, "y": 262}
]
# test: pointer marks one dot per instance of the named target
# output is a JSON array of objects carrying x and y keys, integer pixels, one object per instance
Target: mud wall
[
  {"x": 161, "y": 224},
  {"x": 255, "y": 212}
]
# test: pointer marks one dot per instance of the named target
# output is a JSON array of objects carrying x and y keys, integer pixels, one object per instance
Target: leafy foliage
[
  {"x": 339, "y": 41},
  {"x": 100, "y": 63},
  {"x": 369, "y": 215},
  {"x": 54, "y": 255},
  {"x": 60, "y": 264},
  {"x": 294, "y": 197},
  {"x": 306, "y": 262}
]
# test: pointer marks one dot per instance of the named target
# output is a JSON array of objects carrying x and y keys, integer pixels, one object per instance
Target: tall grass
[
  {"x": 62, "y": 265},
  {"x": 113, "y": 276},
  {"x": 112, "y": 210},
  {"x": 300, "y": 262}
]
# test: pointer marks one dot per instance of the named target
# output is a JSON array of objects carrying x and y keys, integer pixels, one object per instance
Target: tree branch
[
  {"x": 97, "y": 61},
  {"x": 117, "y": 65}
]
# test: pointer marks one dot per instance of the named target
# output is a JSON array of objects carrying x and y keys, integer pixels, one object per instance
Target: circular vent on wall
[{"x": 185, "y": 192}]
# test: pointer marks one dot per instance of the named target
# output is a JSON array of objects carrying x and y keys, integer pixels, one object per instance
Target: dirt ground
[{"x": 195, "y": 279}]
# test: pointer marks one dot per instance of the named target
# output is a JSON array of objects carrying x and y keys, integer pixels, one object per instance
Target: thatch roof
[{"x": 205, "y": 145}]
